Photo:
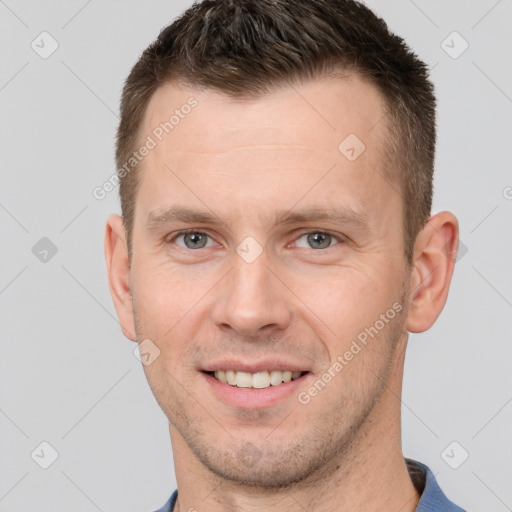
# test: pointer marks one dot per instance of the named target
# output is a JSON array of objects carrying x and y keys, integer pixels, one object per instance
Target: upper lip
[{"x": 255, "y": 366}]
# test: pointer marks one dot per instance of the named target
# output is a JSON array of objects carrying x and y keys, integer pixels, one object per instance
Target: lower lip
[{"x": 251, "y": 398}]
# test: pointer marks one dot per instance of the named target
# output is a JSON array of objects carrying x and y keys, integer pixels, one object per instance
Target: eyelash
[{"x": 305, "y": 233}]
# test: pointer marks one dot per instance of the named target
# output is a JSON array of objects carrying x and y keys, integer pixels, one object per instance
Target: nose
[{"x": 251, "y": 299}]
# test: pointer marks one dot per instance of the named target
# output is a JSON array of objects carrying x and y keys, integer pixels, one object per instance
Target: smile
[{"x": 258, "y": 380}]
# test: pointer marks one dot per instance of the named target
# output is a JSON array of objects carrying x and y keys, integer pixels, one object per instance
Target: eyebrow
[
  {"x": 180, "y": 214},
  {"x": 159, "y": 219}
]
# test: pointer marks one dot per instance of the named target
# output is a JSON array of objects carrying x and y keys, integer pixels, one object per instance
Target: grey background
[{"x": 67, "y": 375}]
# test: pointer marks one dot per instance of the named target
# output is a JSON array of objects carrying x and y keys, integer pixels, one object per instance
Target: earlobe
[
  {"x": 118, "y": 270},
  {"x": 434, "y": 261}
]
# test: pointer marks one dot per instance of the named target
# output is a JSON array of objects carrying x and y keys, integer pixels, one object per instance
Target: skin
[{"x": 244, "y": 161}]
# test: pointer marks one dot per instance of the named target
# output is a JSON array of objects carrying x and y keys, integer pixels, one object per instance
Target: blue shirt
[{"x": 432, "y": 498}]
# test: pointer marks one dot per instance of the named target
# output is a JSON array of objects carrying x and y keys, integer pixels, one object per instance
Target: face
[{"x": 265, "y": 246}]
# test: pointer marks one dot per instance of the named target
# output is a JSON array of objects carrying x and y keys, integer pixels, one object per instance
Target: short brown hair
[{"x": 245, "y": 48}]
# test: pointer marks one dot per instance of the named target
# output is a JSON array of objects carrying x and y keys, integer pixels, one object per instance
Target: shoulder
[{"x": 432, "y": 498}]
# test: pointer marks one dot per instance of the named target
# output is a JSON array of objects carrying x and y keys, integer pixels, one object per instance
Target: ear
[
  {"x": 435, "y": 253},
  {"x": 118, "y": 269}
]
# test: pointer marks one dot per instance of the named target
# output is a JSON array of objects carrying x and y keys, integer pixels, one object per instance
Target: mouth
[
  {"x": 256, "y": 384},
  {"x": 258, "y": 380}
]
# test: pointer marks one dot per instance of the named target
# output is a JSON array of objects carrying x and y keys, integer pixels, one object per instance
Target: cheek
[
  {"x": 171, "y": 307},
  {"x": 347, "y": 301},
  {"x": 164, "y": 296}
]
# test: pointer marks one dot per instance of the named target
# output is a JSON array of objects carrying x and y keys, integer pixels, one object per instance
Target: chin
[
  {"x": 266, "y": 473},
  {"x": 275, "y": 465}
]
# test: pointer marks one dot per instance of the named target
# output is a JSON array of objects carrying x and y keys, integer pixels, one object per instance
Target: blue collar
[{"x": 432, "y": 498}]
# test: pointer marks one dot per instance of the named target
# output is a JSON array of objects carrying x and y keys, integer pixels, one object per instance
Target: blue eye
[
  {"x": 313, "y": 240},
  {"x": 318, "y": 240},
  {"x": 193, "y": 239}
]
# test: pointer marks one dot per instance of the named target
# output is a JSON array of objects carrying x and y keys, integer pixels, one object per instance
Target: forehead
[
  {"x": 273, "y": 147},
  {"x": 319, "y": 113}
]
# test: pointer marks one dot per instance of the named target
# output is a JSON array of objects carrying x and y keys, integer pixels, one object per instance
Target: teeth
[
  {"x": 230, "y": 377},
  {"x": 276, "y": 377},
  {"x": 259, "y": 380},
  {"x": 243, "y": 380}
]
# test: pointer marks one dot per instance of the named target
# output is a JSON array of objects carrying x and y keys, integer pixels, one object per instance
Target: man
[{"x": 275, "y": 249}]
